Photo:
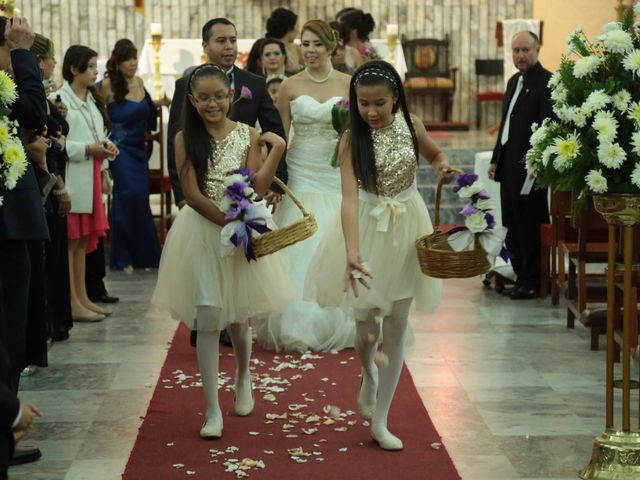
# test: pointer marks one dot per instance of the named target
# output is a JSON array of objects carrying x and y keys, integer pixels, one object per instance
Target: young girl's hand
[
  {"x": 272, "y": 139},
  {"x": 357, "y": 270},
  {"x": 446, "y": 174}
]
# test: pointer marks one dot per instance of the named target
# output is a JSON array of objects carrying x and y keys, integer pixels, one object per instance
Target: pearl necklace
[{"x": 316, "y": 80}]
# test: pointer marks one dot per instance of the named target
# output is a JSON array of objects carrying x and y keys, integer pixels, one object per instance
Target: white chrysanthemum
[
  {"x": 618, "y": 41},
  {"x": 636, "y": 9},
  {"x": 631, "y": 61},
  {"x": 611, "y": 26},
  {"x": 4, "y": 133},
  {"x": 225, "y": 203},
  {"x": 561, "y": 164},
  {"x": 586, "y": 66},
  {"x": 564, "y": 112},
  {"x": 635, "y": 175},
  {"x": 468, "y": 192},
  {"x": 578, "y": 117},
  {"x": 635, "y": 141},
  {"x": 633, "y": 113},
  {"x": 531, "y": 165},
  {"x": 596, "y": 100},
  {"x": 476, "y": 223},
  {"x": 596, "y": 181},
  {"x": 231, "y": 179},
  {"x": 538, "y": 136},
  {"x": 8, "y": 93},
  {"x": 484, "y": 204},
  {"x": 15, "y": 163},
  {"x": 606, "y": 126},
  {"x": 567, "y": 148},
  {"x": 611, "y": 155},
  {"x": 559, "y": 94},
  {"x": 621, "y": 100},
  {"x": 546, "y": 154},
  {"x": 554, "y": 81}
]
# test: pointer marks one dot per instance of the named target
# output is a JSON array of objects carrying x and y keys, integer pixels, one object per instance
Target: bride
[{"x": 304, "y": 102}]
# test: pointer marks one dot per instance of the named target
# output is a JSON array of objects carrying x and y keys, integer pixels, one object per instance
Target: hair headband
[
  {"x": 377, "y": 72},
  {"x": 203, "y": 67}
]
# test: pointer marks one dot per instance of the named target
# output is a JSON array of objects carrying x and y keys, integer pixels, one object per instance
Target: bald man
[{"x": 526, "y": 101}]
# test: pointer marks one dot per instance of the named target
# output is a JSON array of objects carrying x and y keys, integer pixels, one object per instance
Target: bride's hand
[
  {"x": 272, "y": 139},
  {"x": 357, "y": 270}
]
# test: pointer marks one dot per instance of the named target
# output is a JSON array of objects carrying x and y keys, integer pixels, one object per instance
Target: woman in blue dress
[{"x": 134, "y": 240}]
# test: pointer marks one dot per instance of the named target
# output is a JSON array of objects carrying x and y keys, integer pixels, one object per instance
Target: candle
[
  {"x": 156, "y": 29},
  {"x": 392, "y": 30}
]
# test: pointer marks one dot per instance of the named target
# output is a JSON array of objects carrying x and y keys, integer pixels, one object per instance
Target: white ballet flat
[
  {"x": 388, "y": 441},
  {"x": 246, "y": 409},
  {"x": 210, "y": 431}
]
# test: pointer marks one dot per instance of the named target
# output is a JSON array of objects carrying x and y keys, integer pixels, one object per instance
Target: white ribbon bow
[{"x": 387, "y": 210}]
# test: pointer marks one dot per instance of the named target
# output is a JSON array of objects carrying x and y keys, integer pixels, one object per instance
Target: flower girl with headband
[
  {"x": 382, "y": 216},
  {"x": 195, "y": 279}
]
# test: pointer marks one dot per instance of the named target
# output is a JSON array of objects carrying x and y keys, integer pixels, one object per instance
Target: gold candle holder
[
  {"x": 392, "y": 42},
  {"x": 156, "y": 43}
]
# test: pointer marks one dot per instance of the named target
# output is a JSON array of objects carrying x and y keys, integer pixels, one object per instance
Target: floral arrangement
[
  {"x": 368, "y": 52},
  {"x": 479, "y": 222},
  {"x": 594, "y": 146},
  {"x": 13, "y": 160},
  {"x": 7, "y": 8},
  {"x": 246, "y": 216},
  {"x": 339, "y": 115}
]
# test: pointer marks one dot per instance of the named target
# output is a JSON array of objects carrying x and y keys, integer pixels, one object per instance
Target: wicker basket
[
  {"x": 437, "y": 258},
  {"x": 275, "y": 240}
]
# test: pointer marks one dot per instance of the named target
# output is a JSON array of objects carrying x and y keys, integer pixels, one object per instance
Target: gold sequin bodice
[
  {"x": 228, "y": 154},
  {"x": 395, "y": 157}
]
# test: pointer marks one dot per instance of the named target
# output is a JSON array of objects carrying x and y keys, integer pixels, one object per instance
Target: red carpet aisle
[{"x": 304, "y": 425}]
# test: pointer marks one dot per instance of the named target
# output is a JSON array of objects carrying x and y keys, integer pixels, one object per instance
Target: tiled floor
[{"x": 514, "y": 393}]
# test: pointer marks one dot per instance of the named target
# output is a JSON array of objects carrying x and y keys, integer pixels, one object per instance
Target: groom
[{"x": 219, "y": 41}]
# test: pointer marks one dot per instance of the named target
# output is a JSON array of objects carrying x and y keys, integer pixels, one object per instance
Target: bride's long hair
[{"x": 376, "y": 72}]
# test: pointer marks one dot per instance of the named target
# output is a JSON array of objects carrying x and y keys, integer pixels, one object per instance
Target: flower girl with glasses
[
  {"x": 195, "y": 280},
  {"x": 382, "y": 215}
]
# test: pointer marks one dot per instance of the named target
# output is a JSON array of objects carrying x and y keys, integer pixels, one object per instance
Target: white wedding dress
[{"x": 304, "y": 325}]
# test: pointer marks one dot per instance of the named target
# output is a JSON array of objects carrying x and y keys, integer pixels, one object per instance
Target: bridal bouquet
[
  {"x": 13, "y": 160},
  {"x": 594, "y": 147},
  {"x": 248, "y": 217},
  {"x": 479, "y": 222},
  {"x": 339, "y": 115}
]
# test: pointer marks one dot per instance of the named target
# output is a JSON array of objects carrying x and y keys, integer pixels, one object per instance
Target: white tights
[
  {"x": 394, "y": 327},
  {"x": 208, "y": 361}
]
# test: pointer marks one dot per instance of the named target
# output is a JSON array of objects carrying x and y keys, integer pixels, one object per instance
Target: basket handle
[
  {"x": 293, "y": 198},
  {"x": 439, "y": 194}
]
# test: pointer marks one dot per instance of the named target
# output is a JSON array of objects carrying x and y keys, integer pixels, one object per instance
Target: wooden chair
[
  {"x": 583, "y": 289},
  {"x": 485, "y": 69},
  {"x": 159, "y": 183},
  {"x": 428, "y": 71}
]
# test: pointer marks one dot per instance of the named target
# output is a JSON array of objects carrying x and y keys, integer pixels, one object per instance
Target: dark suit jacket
[
  {"x": 532, "y": 105},
  {"x": 9, "y": 407},
  {"x": 259, "y": 109},
  {"x": 22, "y": 216}
]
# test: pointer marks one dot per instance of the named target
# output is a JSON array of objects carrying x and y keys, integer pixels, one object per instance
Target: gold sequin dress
[
  {"x": 192, "y": 271},
  {"x": 389, "y": 224}
]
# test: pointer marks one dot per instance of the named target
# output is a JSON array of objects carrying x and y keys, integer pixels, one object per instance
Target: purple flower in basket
[
  {"x": 469, "y": 209},
  {"x": 483, "y": 194},
  {"x": 245, "y": 172},
  {"x": 236, "y": 191},
  {"x": 239, "y": 209},
  {"x": 491, "y": 221},
  {"x": 465, "y": 180}
]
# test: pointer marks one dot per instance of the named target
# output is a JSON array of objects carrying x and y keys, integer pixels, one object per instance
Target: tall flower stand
[{"x": 616, "y": 453}]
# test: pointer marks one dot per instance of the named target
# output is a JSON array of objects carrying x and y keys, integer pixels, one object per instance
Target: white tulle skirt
[
  {"x": 388, "y": 231},
  {"x": 193, "y": 274},
  {"x": 303, "y": 324}
]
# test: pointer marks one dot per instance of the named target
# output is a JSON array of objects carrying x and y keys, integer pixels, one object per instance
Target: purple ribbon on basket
[{"x": 242, "y": 236}]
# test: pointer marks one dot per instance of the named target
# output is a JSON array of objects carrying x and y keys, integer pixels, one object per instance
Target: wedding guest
[
  {"x": 356, "y": 28},
  {"x": 220, "y": 43},
  {"x": 305, "y": 101},
  {"x": 527, "y": 101},
  {"x": 195, "y": 280},
  {"x": 379, "y": 156},
  {"x": 283, "y": 25},
  {"x": 133, "y": 115},
  {"x": 21, "y": 216},
  {"x": 254, "y": 59},
  {"x": 273, "y": 57},
  {"x": 87, "y": 171},
  {"x": 58, "y": 204},
  {"x": 273, "y": 86}
]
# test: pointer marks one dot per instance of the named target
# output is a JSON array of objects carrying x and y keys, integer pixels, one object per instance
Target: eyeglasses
[{"x": 205, "y": 101}]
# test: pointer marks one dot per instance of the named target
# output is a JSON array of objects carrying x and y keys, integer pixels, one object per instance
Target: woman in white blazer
[{"x": 89, "y": 152}]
